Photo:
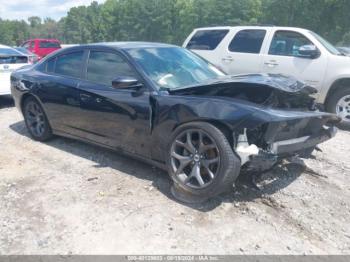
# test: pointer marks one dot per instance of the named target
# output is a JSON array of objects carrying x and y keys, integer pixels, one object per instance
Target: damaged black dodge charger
[{"x": 166, "y": 105}]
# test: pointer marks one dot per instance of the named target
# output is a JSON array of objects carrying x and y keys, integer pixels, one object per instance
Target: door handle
[
  {"x": 271, "y": 64},
  {"x": 85, "y": 97},
  {"x": 227, "y": 59}
]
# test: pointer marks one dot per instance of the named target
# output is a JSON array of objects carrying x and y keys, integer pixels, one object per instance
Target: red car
[{"x": 42, "y": 47}]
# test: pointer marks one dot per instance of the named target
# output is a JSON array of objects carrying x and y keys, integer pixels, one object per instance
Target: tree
[
  {"x": 34, "y": 21},
  {"x": 172, "y": 20}
]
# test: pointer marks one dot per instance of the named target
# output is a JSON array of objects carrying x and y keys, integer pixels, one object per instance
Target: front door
[
  {"x": 119, "y": 118},
  {"x": 283, "y": 58}
]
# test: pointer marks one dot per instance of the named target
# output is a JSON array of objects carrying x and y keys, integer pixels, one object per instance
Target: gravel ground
[{"x": 67, "y": 197}]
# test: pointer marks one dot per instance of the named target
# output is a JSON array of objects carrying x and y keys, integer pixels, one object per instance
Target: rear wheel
[
  {"x": 339, "y": 103},
  {"x": 201, "y": 161},
  {"x": 36, "y": 120}
]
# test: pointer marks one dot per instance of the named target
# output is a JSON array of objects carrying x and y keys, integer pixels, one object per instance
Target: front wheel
[
  {"x": 339, "y": 103},
  {"x": 201, "y": 161}
]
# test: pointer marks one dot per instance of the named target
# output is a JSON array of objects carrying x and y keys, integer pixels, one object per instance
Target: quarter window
[
  {"x": 206, "y": 39},
  {"x": 247, "y": 41},
  {"x": 50, "y": 65},
  {"x": 69, "y": 64},
  {"x": 104, "y": 67},
  {"x": 287, "y": 43}
]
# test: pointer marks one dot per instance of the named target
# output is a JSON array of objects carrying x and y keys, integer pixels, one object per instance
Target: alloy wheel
[
  {"x": 343, "y": 108},
  {"x": 195, "y": 158},
  {"x": 35, "y": 118}
]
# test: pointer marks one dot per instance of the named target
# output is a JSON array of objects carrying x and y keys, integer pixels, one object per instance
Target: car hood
[
  {"x": 277, "y": 81},
  {"x": 274, "y": 90}
]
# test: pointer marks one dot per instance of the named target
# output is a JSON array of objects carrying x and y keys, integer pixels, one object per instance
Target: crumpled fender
[{"x": 172, "y": 111}]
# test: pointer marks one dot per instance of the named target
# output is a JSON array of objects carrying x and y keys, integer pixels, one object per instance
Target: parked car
[
  {"x": 32, "y": 58},
  {"x": 344, "y": 50},
  {"x": 280, "y": 50},
  {"x": 42, "y": 47},
  {"x": 166, "y": 105},
  {"x": 10, "y": 60}
]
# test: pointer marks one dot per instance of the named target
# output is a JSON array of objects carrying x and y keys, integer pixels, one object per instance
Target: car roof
[
  {"x": 129, "y": 45},
  {"x": 5, "y": 46},
  {"x": 113, "y": 45},
  {"x": 250, "y": 27},
  {"x": 13, "y": 49},
  {"x": 43, "y": 39}
]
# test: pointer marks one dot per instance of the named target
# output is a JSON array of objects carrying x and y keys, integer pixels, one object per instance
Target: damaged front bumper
[
  {"x": 290, "y": 146},
  {"x": 284, "y": 137}
]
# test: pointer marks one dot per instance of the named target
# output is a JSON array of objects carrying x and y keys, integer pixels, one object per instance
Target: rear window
[
  {"x": 8, "y": 51},
  {"x": 206, "y": 39},
  {"x": 50, "y": 66},
  {"x": 11, "y": 56},
  {"x": 247, "y": 41},
  {"x": 48, "y": 44}
]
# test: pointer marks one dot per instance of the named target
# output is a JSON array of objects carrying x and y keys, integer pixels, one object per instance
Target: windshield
[
  {"x": 331, "y": 48},
  {"x": 174, "y": 67}
]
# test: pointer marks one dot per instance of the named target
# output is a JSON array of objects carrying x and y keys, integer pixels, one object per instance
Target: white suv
[{"x": 279, "y": 50}]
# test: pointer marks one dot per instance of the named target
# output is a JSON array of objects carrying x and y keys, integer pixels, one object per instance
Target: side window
[
  {"x": 50, "y": 65},
  {"x": 247, "y": 41},
  {"x": 103, "y": 67},
  {"x": 206, "y": 39},
  {"x": 49, "y": 44},
  {"x": 70, "y": 64},
  {"x": 32, "y": 44},
  {"x": 287, "y": 43},
  {"x": 47, "y": 66}
]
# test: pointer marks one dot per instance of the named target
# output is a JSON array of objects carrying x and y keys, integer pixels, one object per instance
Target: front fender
[{"x": 172, "y": 111}]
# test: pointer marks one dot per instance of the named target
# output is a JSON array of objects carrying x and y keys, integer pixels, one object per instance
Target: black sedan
[{"x": 165, "y": 105}]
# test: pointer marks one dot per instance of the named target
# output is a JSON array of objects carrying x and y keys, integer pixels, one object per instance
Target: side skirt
[{"x": 152, "y": 162}]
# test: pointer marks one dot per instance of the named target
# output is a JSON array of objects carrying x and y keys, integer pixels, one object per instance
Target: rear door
[
  {"x": 119, "y": 118},
  {"x": 58, "y": 91},
  {"x": 10, "y": 60},
  {"x": 282, "y": 57},
  {"x": 241, "y": 53}
]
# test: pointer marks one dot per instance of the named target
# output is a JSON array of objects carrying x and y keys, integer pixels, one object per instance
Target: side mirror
[
  {"x": 308, "y": 51},
  {"x": 125, "y": 82}
]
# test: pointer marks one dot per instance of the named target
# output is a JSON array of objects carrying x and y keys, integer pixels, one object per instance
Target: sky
[{"x": 22, "y": 9}]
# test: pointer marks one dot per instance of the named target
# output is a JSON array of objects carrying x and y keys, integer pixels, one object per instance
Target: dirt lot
[{"x": 68, "y": 197}]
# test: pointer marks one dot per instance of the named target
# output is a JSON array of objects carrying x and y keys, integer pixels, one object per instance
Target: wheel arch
[
  {"x": 223, "y": 127},
  {"x": 337, "y": 85},
  {"x": 25, "y": 97}
]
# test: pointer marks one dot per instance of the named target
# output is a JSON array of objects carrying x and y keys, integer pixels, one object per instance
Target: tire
[
  {"x": 215, "y": 156},
  {"x": 340, "y": 95},
  {"x": 36, "y": 120}
]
